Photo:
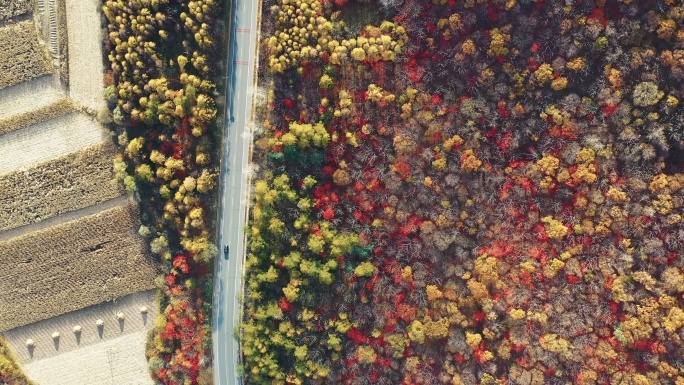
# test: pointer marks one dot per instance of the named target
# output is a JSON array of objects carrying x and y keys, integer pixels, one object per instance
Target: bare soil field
[
  {"x": 86, "y": 71},
  {"x": 113, "y": 362},
  {"x": 22, "y": 56},
  {"x": 58, "y": 186},
  {"x": 28, "y": 96},
  {"x": 48, "y": 140},
  {"x": 13, "y": 8},
  {"x": 73, "y": 265}
]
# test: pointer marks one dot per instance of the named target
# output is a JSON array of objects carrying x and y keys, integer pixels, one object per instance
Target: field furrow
[
  {"x": 28, "y": 96},
  {"x": 48, "y": 140},
  {"x": 56, "y": 187},
  {"x": 73, "y": 265}
]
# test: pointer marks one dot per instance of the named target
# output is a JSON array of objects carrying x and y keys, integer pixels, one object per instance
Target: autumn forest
[{"x": 467, "y": 192}]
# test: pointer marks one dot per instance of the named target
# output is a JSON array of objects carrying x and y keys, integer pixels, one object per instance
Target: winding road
[{"x": 234, "y": 188}]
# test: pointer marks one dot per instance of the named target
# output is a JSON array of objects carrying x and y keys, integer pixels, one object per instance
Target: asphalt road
[{"x": 234, "y": 189}]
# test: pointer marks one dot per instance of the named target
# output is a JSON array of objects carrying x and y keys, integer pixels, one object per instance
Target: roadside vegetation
[
  {"x": 10, "y": 373},
  {"x": 467, "y": 192},
  {"x": 163, "y": 58}
]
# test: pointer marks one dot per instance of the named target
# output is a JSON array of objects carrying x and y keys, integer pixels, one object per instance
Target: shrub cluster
[
  {"x": 10, "y": 372},
  {"x": 500, "y": 201},
  {"x": 161, "y": 59}
]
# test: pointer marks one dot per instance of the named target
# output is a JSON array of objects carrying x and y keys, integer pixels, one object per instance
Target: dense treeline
[{"x": 162, "y": 57}]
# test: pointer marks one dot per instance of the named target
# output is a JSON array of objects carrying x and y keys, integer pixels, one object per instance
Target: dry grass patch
[
  {"x": 73, "y": 265},
  {"x": 60, "y": 107},
  {"x": 22, "y": 57},
  {"x": 56, "y": 187},
  {"x": 13, "y": 8}
]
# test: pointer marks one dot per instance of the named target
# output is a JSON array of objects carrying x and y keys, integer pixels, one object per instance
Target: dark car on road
[{"x": 225, "y": 251}]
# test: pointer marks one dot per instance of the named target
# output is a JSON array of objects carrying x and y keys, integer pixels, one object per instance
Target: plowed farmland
[{"x": 13, "y": 8}]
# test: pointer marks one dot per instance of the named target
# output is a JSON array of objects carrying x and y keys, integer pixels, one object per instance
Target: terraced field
[
  {"x": 69, "y": 243},
  {"x": 28, "y": 97},
  {"x": 48, "y": 140},
  {"x": 51, "y": 110},
  {"x": 41, "y": 332},
  {"x": 115, "y": 361}
]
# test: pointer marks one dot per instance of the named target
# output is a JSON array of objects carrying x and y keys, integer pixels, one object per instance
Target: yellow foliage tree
[
  {"x": 366, "y": 354},
  {"x": 416, "y": 332},
  {"x": 436, "y": 329},
  {"x": 433, "y": 293},
  {"x": 364, "y": 269}
]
